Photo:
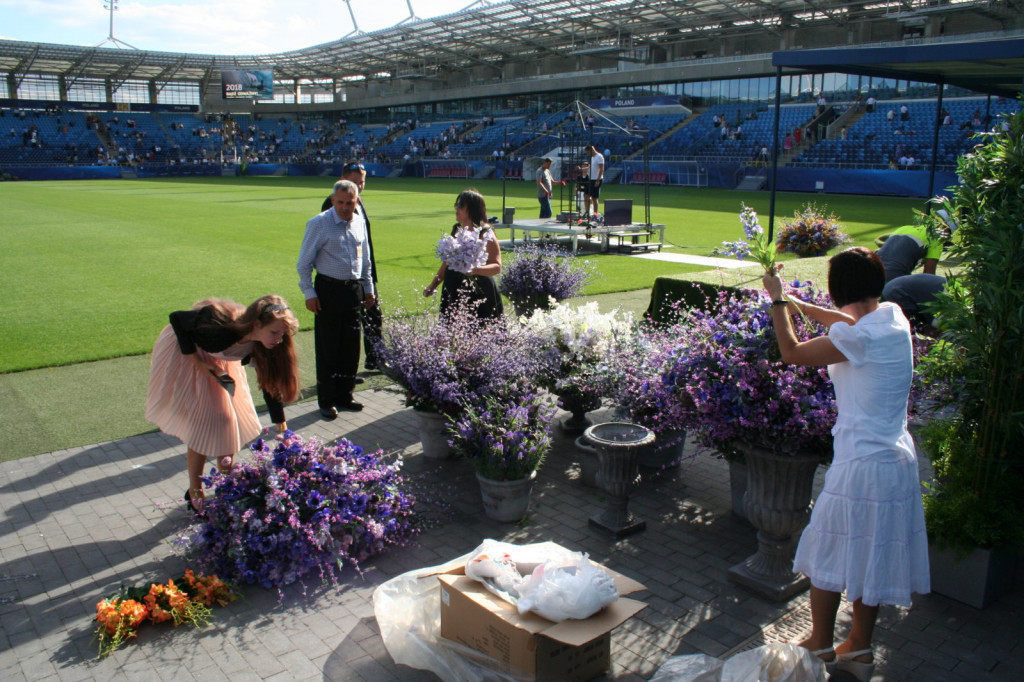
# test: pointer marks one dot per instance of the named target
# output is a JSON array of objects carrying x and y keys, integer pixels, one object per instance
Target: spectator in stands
[
  {"x": 370, "y": 317},
  {"x": 842, "y": 133},
  {"x": 593, "y": 195},
  {"x": 198, "y": 390},
  {"x": 544, "y": 182},
  {"x": 335, "y": 245},
  {"x": 787, "y": 143},
  {"x": 476, "y": 289},
  {"x": 870, "y": 107},
  {"x": 904, "y": 112},
  {"x": 890, "y": 115},
  {"x": 716, "y": 120},
  {"x": 798, "y": 134}
]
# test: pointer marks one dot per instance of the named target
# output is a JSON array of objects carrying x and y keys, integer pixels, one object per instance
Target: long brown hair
[{"x": 277, "y": 368}]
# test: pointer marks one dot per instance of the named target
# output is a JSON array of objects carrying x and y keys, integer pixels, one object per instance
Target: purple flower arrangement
[
  {"x": 465, "y": 251},
  {"x": 755, "y": 243},
  {"x": 725, "y": 380},
  {"x": 504, "y": 440},
  {"x": 810, "y": 232},
  {"x": 301, "y": 509},
  {"x": 537, "y": 273},
  {"x": 441, "y": 367}
]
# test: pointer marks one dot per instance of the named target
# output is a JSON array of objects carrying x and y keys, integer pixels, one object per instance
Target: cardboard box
[{"x": 529, "y": 645}]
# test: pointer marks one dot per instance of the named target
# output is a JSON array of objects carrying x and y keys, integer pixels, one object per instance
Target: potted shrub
[
  {"x": 974, "y": 509},
  {"x": 577, "y": 348},
  {"x": 506, "y": 438},
  {"x": 536, "y": 274},
  {"x": 441, "y": 367},
  {"x": 729, "y": 385}
]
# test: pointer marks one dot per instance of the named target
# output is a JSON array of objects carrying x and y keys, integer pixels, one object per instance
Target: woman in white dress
[{"x": 866, "y": 535}]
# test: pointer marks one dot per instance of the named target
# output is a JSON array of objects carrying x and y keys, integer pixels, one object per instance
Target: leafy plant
[
  {"x": 504, "y": 441},
  {"x": 975, "y": 499},
  {"x": 536, "y": 273}
]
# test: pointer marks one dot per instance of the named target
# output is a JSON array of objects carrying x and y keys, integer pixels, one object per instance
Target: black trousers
[
  {"x": 336, "y": 339},
  {"x": 372, "y": 320}
]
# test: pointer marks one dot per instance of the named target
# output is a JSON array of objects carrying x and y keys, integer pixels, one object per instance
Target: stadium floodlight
[{"x": 111, "y": 6}]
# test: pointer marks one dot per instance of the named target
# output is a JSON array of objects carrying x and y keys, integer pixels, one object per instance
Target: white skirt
[
  {"x": 867, "y": 535},
  {"x": 192, "y": 405}
]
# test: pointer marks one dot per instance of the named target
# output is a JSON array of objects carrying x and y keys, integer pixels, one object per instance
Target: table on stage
[{"x": 553, "y": 227}]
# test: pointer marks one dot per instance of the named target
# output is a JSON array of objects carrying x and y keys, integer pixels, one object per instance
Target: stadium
[{"x": 136, "y": 182}]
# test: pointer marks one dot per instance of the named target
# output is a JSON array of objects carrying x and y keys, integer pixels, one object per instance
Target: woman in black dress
[{"x": 477, "y": 290}]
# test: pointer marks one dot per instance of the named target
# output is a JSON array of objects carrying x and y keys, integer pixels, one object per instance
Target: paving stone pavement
[{"x": 78, "y": 523}]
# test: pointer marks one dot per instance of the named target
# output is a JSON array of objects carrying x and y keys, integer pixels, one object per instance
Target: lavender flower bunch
[
  {"x": 537, "y": 273},
  {"x": 756, "y": 244},
  {"x": 440, "y": 367},
  {"x": 504, "y": 440},
  {"x": 464, "y": 252},
  {"x": 301, "y": 509},
  {"x": 726, "y": 381}
]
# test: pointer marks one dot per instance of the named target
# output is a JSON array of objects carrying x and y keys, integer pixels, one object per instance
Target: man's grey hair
[{"x": 346, "y": 186}]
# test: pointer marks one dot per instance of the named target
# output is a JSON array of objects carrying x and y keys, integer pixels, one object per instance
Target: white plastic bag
[
  {"x": 775, "y": 662},
  {"x": 573, "y": 588}
]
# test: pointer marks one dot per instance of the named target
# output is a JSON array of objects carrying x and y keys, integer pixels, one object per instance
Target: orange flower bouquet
[{"x": 118, "y": 618}]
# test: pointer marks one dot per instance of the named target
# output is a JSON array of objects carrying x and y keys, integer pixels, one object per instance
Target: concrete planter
[
  {"x": 978, "y": 579},
  {"x": 506, "y": 501},
  {"x": 432, "y": 427}
]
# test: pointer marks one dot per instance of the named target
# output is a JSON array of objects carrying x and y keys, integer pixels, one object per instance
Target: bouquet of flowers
[
  {"x": 537, "y": 274},
  {"x": 464, "y": 252},
  {"x": 119, "y": 618},
  {"x": 755, "y": 245},
  {"x": 504, "y": 440},
  {"x": 441, "y": 367},
  {"x": 810, "y": 232},
  {"x": 726, "y": 381},
  {"x": 578, "y": 346},
  {"x": 302, "y": 508}
]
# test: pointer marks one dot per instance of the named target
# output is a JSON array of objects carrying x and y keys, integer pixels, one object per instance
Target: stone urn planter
[
  {"x": 737, "y": 486},
  {"x": 578, "y": 403},
  {"x": 433, "y": 437},
  {"x": 665, "y": 451},
  {"x": 589, "y": 461},
  {"x": 506, "y": 501},
  {"x": 778, "y": 505},
  {"x": 618, "y": 449}
]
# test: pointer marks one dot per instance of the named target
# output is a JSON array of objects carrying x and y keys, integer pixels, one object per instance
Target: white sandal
[
  {"x": 862, "y": 671},
  {"x": 830, "y": 665}
]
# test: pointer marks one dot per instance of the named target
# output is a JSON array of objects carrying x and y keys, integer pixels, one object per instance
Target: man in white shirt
[{"x": 593, "y": 193}]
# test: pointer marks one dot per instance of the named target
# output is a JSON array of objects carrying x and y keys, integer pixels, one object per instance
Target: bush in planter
[
  {"x": 441, "y": 366},
  {"x": 726, "y": 381},
  {"x": 505, "y": 438},
  {"x": 535, "y": 274},
  {"x": 979, "y": 469},
  {"x": 812, "y": 231}
]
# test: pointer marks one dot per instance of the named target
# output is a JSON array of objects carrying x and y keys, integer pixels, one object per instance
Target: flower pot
[
  {"x": 618, "y": 449},
  {"x": 978, "y": 579},
  {"x": 589, "y": 462},
  {"x": 578, "y": 403},
  {"x": 738, "y": 487},
  {"x": 665, "y": 451},
  {"x": 432, "y": 427},
  {"x": 506, "y": 501},
  {"x": 778, "y": 504}
]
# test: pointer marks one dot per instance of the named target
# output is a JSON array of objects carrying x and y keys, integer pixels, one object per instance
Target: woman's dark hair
[
  {"x": 473, "y": 202},
  {"x": 855, "y": 274}
]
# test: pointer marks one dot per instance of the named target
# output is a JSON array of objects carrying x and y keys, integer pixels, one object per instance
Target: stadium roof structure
[
  {"x": 487, "y": 33},
  {"x": 995, "y": 66}
]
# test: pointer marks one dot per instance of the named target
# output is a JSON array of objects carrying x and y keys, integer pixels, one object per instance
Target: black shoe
[
  {"x": 350, "y": 406},
  {"x": 360, "y": 380},
  {"x": 370, "y": 365},
  {"x": 328, "y": 413}
]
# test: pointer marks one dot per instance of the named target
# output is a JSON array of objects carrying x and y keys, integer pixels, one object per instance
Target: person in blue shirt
[{"x": 337, "y": 247}]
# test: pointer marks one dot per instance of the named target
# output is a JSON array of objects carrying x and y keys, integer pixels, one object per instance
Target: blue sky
[{"x": 207, "y": 26}]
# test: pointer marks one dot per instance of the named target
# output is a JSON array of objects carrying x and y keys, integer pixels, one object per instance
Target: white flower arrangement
[{"x": 464, "y": 252}]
